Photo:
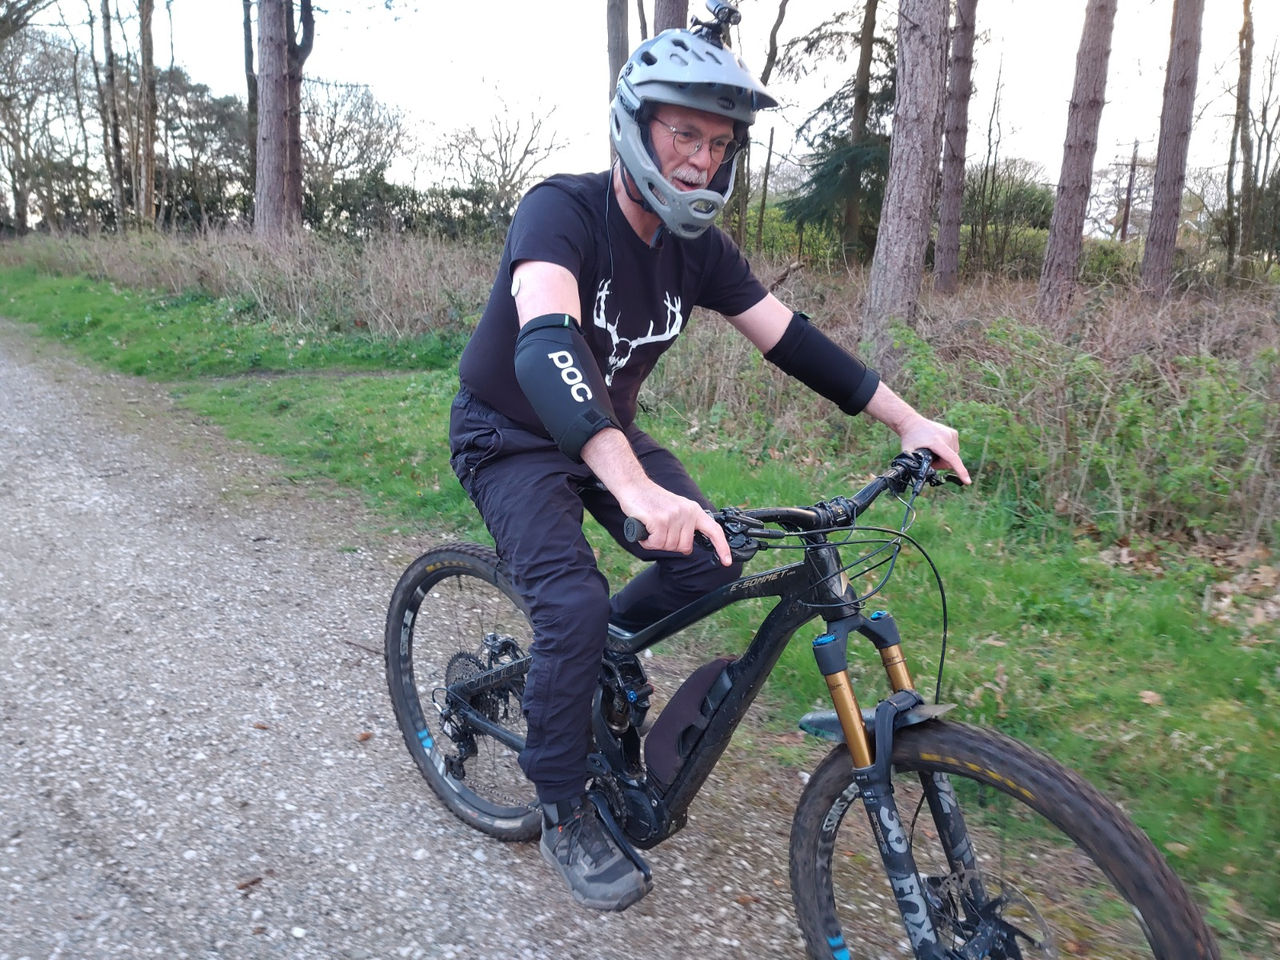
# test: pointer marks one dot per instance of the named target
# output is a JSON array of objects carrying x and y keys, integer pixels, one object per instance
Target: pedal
[{"x": 606, "y": 818}]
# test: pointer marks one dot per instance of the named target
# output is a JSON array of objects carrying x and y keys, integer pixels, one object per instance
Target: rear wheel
[
  {"x": 453, "y": 616},
  {"x": 1063, "y": 872}
]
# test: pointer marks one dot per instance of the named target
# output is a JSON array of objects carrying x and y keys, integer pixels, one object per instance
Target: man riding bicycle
[{"x": 598, "y": 277}]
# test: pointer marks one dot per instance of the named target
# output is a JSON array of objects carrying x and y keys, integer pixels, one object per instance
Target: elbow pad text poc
[{"x": 562, "y": 382}]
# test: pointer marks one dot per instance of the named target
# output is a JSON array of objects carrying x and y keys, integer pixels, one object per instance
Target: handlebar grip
[{"x": 634, "y": 530}]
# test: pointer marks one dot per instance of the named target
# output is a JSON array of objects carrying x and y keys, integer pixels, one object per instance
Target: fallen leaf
[
  {"x": 364, "y": 736},
  {"x": 260, "y": 726}
]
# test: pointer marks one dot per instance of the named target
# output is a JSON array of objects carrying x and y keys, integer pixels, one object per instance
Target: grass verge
[{"x": 1156, "y": 676}]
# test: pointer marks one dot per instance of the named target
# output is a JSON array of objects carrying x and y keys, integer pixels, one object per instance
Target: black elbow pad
[
  {"x": 826, "y": 368},
  {"x": 562, "y": 382}
]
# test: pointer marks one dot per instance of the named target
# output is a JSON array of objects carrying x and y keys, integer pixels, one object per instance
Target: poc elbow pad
[{"x": 562, "y": 382}]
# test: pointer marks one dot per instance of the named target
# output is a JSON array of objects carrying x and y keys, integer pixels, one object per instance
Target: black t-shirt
[{"x": 635, "y": 298}]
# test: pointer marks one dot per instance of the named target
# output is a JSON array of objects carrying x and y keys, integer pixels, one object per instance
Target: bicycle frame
[
  {"x": 747, "y": 673},
  {"x": 804, "y": 589}
]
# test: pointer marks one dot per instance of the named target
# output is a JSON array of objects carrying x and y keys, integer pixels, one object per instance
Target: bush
[
  {"x": 394, "y": 285},
  {"x": 1134, "y": 421},
  {"x": 1108, "y": 261}
]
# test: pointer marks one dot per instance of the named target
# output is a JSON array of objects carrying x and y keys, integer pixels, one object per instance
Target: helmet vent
[{"x": 648, "y": 58}]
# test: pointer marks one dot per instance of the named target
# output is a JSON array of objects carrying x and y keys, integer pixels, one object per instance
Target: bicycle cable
[{"x": 892, "y": 541}]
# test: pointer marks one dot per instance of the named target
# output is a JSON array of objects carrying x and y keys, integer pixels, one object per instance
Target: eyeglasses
[{"x": 689, "y": 143}]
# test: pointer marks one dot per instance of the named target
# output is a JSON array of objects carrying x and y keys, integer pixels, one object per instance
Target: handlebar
[{"x": 744, "y": 528}]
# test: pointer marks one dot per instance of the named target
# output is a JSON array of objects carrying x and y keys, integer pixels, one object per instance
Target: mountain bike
[{"x": 972, "y": 845}]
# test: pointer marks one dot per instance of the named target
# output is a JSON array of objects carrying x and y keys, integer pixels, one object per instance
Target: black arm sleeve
[
  {"x": 827, "y": 369},
  {"x": 562, "y": 382}
]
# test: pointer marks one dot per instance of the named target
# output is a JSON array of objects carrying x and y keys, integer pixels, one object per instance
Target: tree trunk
[
  {"x": 81, "y": 186},
  {"x": 1248, "y": 180},
  {"x": 251, "y": 83},
  {"x": 852, "y": 226},
  {"x": 1171, "y": 153},
  {"x": 103, "y": 119},
  {"x": 742, "y": 187},
  {"x": 130, "y": 118},
  {"x": 955, "y": 133},
  {"x": 278, "y": 187},
  {"x": 1128, "y": 194},
  {"x": 771, "y": 57},
  {"x": 734, "y": 218},
  {"x": 764, "y": 194},
  {"x": 115, "y": 160},
  {"x": 619, "y": 46},
  {"x": 670, "y": 15},
  {"x": 898, "y": 265},
  {"x": 1066, "y": 226},
  {"x": 166, "y": 178},
  {"x": 271, "y": 213},
  {"x": 147, "y": 176},
  {"x": 21, "y": 215},
  {"x": 299, "y": 50}
]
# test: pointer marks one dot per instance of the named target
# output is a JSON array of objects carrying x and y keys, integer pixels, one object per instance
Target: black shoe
[{"x": 599, "y": 874}]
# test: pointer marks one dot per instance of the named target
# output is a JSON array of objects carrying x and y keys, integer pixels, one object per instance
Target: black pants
[{"x": 532, "y": 498}]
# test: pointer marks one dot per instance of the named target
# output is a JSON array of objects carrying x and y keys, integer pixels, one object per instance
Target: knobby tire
[
  {"x": 444, "y": 606},
  {"x": 1107, "y": 893}
]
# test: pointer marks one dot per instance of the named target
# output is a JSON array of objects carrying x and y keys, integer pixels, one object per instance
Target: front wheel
[
  {"x": 1061, "y": 871},
  {"x": 454, "y": 616}
]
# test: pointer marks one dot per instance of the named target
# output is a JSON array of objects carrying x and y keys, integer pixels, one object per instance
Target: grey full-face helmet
[{"x": 688, "y": 69}]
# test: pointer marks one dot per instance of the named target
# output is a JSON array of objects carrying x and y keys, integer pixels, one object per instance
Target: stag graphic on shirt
[{"x": 624, "y": 347}]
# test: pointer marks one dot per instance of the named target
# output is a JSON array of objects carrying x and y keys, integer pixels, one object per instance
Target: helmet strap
[{"x": 633, "y": 191}]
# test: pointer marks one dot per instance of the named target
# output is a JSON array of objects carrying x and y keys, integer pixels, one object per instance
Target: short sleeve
[
  {"x": 551, "y": 225},
  {"x": 728, "y": 285}
]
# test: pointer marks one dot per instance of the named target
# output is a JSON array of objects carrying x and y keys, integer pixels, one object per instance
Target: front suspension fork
[{"x": 872, "y": 775}]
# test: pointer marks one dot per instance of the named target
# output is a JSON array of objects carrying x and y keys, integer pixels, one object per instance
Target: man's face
[{"x": 690, "y": 144}]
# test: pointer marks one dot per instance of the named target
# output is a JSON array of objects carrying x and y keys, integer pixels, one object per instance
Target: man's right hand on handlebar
[
  {"x": 670, "y": 519},
  {"x": 671, "y": 522}
]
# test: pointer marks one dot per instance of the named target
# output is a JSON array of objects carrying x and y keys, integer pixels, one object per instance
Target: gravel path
[{"x": 199, "y": 756}]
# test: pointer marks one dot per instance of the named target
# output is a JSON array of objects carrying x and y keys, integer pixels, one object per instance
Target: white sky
[{"x": 447, "y": 64}]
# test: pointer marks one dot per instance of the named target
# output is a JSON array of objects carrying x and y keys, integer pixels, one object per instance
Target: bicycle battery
[{"x": 682, "y": 721}]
